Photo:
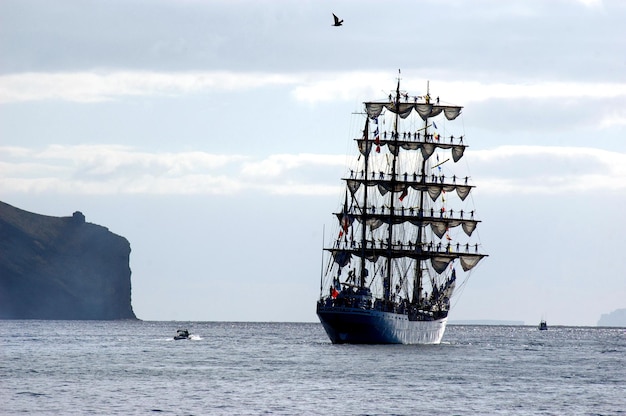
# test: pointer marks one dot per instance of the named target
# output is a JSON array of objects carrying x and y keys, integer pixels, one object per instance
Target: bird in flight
[{"x": 337, "y": 21}]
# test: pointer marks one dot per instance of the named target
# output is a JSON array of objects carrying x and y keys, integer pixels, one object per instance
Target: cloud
[
  {"x": 343, "y": 86},
  {"x": 591, "y": 3},
  {"x": 616, "y": 117},
  {"x": 102, "y": 86},
  {"x": 276, "y": 165},
  {"x": 329, "y": 87},
  {"x": 115, "y": 169},
  {"x": 308, "y": 87},
  {"x": 548, "y": 170}
]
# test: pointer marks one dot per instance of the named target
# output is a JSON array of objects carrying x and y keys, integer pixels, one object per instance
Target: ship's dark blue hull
[{"x": 368, "y": 326}]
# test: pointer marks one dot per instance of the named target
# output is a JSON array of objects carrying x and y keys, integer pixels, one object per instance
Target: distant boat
[
  {"x": 182, "y": 334},
  {"x": 404, "y": 228},
  {"x": 543, "y": 326}
]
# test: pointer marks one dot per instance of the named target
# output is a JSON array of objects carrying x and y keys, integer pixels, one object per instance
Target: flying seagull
[{"x": 337, "y": 21}]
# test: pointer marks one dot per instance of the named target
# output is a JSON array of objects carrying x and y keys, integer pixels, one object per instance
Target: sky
[{"x": 213, "y": 136}]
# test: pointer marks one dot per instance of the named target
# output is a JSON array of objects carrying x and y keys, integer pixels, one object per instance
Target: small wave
[
  {"x": 30, "y": 393},
  {"x": 613, "y": 350}
]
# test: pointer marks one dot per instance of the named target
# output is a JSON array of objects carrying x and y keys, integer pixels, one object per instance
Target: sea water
[{"x": 135, "y": 367}]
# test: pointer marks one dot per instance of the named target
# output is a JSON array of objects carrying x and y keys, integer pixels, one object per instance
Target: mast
[
  {"x": 387, "y": 280},
  {"x": 322, "y": 263},
  {"x": 417, "y": 283},
  {"x": 364, "y": 206}
]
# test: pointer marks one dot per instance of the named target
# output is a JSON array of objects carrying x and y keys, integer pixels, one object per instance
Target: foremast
[{"x": 363, "y": 271}]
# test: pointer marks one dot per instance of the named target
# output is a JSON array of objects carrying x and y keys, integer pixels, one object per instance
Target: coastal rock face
[
  {"x": 615, "y": 318},
  {"x": 61, "y": 268}
]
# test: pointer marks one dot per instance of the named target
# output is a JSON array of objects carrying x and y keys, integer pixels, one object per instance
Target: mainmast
[
  {"x": 417, "y": 283},
  {"x": 387, "y": 279}
]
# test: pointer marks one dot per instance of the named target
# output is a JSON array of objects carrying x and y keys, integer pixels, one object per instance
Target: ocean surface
[{"x": 135, "y": 367}]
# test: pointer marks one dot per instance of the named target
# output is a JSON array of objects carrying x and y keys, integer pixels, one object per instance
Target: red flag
[{"x": 345, "y": 223}]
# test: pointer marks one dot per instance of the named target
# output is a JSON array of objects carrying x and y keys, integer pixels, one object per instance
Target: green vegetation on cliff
[{"x": 61, "y": 268}]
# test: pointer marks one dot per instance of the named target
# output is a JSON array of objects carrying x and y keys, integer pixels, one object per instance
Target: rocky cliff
[{"x": 61, "y": 268}]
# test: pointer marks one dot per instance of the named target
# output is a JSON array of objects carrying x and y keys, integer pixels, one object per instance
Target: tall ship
[{"x": 405, "y": 237}]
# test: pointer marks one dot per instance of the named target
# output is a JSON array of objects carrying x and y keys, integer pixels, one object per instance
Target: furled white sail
[
  {"x": 434, "y": 189},
  {"x": 425, "y": 110}
]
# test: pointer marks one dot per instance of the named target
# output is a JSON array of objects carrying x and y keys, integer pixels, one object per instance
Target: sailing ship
[{"x": 404, "y": 228}]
